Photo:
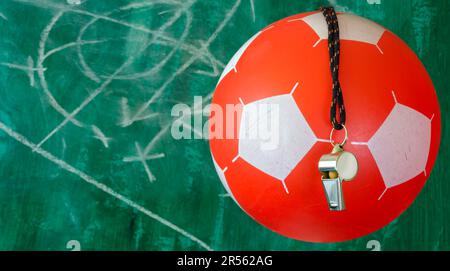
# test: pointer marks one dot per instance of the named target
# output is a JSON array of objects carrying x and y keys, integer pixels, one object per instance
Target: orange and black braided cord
[{"x": 337, "y": 108}]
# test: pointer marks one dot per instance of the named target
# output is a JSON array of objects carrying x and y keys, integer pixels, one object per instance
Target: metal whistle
[{"x": 336, "y": 167}]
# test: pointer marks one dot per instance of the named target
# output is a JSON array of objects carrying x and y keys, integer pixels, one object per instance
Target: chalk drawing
[
  {"x": 125, "y": 111},
  {"x": 252, "y": 6},
  {"x": 195, "y": 52},
  {"x": 110, "y": 78},
  {"x": 225, "y": 195},
  {"x": 100, "y": 186},
  {"x": 41, "y": 53},
  {"x": 30, "y": 63},
  {"x": 422, "y": 16},
  {"x": 101, "y": 136},
  {"x": 29, "y": 69},
  {"x": 337, "y": 6},
  {"x": 142, "y": 155},
  {"x": 126, "y": 119},
  {"x": 190, "y": 61},
  {"x": 156, "y": 35},
  {"x": 202, "y": 54}
]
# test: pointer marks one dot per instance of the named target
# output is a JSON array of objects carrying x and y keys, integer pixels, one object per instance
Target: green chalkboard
[{"x": 86, "y": 157}]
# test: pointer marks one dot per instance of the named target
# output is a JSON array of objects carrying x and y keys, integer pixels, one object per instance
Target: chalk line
[
  {"x": 150, "y": 175},
  {"x": 252, "y": 7},
  {"x": 100, "y": 136},
  {"x": 69, "y": 168},
  {"x": 129, "y": 121},
  {"x": 148, "y": 116},
  {"x": 164, "y": 39},
  {"x": 338, "y": 7},
  {"x": 191, "y": 60},
  {"x": 19, "y": 67},
  {"x": 125, "y": 112},
  {"x": 137, "y": 5},
  {"x": 155, "y": 139},
  {"x": 72, "y": 44},
  {"x": 208, "y": 59},
  {"x": 41, "y": 53},
  {"x": 87, "y": 70},
  {"x": 225, "y": 195},
  {"x": 100, "y": 89},
  {"x": 29, "y": 69},
  {"x": 227, "y": 18},
  {"x": 148, "y": 157},
  {"x": 125, "y": 109},
  {"x": 30, "y": 64},
  {"x": 158, "y": 34}
]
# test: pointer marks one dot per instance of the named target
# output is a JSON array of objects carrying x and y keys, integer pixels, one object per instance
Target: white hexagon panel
[
  {"x": 274, "y": 136},
  {"x": 401, "y": 145}
]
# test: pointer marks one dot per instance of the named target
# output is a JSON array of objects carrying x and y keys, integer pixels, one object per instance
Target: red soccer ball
[{"x": 393, "y": 121}]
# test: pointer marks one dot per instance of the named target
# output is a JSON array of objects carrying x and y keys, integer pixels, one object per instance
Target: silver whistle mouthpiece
[{"x": 333, "y": 191}]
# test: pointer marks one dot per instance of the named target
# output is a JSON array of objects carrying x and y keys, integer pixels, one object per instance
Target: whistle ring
[{"x": 345, "y": 138}]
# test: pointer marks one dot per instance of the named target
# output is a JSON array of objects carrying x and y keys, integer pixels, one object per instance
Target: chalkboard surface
[{"x": 86, "y": 157}]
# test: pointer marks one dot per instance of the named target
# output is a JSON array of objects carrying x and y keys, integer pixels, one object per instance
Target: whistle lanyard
[{"x": 337, "y": 103}]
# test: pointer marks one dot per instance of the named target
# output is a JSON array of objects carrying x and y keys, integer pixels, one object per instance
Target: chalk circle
[{"x": 160, "y": 40}]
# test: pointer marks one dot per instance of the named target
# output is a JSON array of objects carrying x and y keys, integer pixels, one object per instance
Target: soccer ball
[{"x": 393, "y": 121}]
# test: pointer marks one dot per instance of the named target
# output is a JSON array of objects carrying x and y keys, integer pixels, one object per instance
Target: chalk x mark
[
  {"x": 142, "y": 155},
  {"x": 29, "y": 69}
]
